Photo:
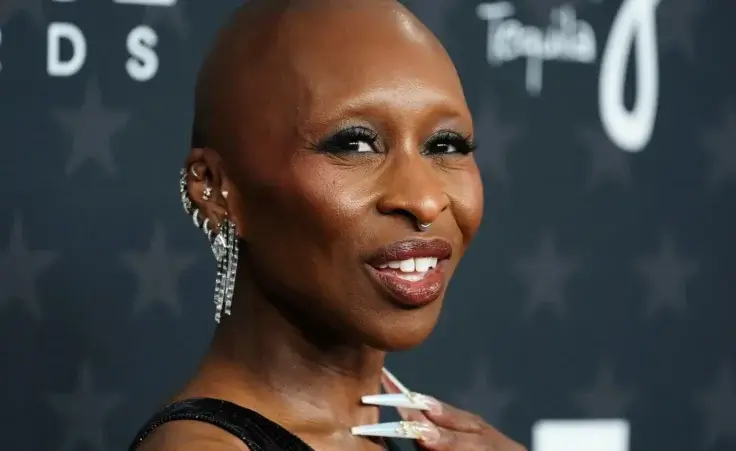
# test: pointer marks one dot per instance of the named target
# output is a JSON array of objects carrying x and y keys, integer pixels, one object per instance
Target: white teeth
[
  {"x": 407, "y": 265},
  {"x": 410, "y": 265},
  {"x": 424, "y": 263}
]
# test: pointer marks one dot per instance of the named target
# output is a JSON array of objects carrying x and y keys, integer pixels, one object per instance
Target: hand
[{"x": 451, "y": 429}]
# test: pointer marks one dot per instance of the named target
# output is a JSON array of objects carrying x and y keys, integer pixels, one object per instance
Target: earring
[
  {"x": 185, "y": 201},
  {"x": 225, "y": 247},
  {"x": 227, "y": 266}
]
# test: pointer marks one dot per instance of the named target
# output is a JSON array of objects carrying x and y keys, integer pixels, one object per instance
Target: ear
[{"x": 211, "y": 191}]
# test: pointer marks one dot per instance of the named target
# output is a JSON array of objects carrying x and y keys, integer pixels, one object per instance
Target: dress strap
[{"x": 256, "y": 431}]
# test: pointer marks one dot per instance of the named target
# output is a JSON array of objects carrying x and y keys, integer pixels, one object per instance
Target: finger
[
  {"x": 450, "y": 417},
  {"x": 449, "y": 440}
]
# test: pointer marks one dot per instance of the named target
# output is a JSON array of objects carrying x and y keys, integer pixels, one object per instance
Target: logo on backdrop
[
  {"x": 568, "y": 38},
  {"x": 142, "y": 63},
  {"x": 581, "y": 435}
]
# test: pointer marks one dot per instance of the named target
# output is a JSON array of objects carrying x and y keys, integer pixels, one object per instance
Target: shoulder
[{"x": 191, "y": 436}]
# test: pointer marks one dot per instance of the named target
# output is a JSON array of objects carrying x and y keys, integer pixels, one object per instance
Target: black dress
[{"x": 256, "y": 431}]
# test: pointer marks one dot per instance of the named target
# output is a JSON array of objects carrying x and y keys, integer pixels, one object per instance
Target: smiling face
[{"x": 337, "y": 139}]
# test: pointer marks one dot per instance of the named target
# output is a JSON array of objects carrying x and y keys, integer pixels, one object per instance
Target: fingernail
[
  {"x": 434, "y": 405},
  {"x": 428, "y": 433},
  {"x": 398, "y": 400},
  {"x": 402, "y": 429}
]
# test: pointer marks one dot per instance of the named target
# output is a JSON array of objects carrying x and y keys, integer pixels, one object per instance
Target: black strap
[{"x": 256, "y": 431}]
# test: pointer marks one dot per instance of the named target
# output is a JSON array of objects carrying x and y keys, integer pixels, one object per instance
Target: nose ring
[{"x": 423, "y": 226}]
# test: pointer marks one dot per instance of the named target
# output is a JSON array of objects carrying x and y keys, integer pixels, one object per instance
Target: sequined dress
[{"x": 256, "y": 431}]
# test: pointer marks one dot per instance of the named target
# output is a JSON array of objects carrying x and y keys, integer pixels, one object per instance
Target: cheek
[
  {"x": 328, "y": 203},
  {"x": 467, "y": 204}
]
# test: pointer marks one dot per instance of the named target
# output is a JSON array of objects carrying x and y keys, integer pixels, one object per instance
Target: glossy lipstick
[{"x": 411, "y": 272}]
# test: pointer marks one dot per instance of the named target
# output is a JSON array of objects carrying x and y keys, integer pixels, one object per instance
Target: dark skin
[{"x": 308, "y": 331}]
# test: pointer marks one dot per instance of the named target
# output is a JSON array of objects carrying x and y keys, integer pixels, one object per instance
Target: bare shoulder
[{"x": 191, "y": 436}]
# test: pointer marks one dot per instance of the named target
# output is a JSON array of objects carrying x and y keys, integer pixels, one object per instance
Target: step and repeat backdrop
[{"x": 601, "y": 285}]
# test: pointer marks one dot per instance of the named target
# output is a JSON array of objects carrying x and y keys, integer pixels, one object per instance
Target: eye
[
  {"x": 350, "y": 140},
  {"x": 449, "y": 142},
  {"x": 360, "y": 146}
]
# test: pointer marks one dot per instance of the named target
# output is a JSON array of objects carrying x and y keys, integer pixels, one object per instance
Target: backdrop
[{"x": 601, "y": 283}]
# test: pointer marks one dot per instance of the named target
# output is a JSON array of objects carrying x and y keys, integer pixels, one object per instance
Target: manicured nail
[
  {"x": 400, "y": 429},
  {"x": 433, "y": 405},
  {"x": 428, "y": 433},
  {"x": 398, "y": 400}
]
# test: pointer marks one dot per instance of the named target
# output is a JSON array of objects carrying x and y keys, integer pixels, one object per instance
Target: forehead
[{"x": 365, "y": 55}]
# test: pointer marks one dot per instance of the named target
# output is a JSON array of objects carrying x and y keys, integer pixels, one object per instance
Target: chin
[{"x": 403, "y": 330}]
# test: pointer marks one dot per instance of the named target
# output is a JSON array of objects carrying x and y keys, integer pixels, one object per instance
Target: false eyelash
[
  {"x": 463, "y": 143},
  {"x": 340, "y": 141}
]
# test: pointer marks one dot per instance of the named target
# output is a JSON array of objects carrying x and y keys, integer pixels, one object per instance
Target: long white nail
[
  {"x": 412, "y": 401},
  {"x": 396, "y": 382},
  {"x": 400, "y": 429}
]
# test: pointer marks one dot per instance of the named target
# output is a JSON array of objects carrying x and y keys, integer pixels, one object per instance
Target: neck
[{"x": 295, "y": 371}]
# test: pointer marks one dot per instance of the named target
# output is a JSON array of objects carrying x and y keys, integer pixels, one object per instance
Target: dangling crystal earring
[{"x": 224, "y": 246}]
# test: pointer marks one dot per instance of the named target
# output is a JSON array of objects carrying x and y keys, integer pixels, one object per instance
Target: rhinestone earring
[{"x": 225, "y": 247}]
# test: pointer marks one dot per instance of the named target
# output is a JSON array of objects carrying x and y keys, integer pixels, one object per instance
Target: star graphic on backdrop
[
  {"x": 608, "y": 163},
  {"x": 92, "y": 127},
  {"x": 10, "y": 8},
  {"x": 719, "y": 408},
  {"x": 676, "y": 21},
  {"x": 158, "y": 271},
  {"x": 84, "y": 413},
  {"x": 173, "y": 16},
  {"x": 494, "y": 143},
  {"x": 667, "y": 275},
  {"x": 482, "y": 397},
  {"x": 19, "y": 269},
  {"x": 604, "y": 399},
  {"x": 546, "y": 274},
  {"x": 540, "y": 10},
  {"x": 720, "y": 143}
]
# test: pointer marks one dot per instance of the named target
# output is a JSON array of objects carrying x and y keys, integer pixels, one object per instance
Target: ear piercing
[
  {"x": 224, "y": 244},
  {"x": 207, "y": 191}
]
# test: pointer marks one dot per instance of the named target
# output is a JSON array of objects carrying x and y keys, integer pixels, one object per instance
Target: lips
[{"x": 411, "y": 272}]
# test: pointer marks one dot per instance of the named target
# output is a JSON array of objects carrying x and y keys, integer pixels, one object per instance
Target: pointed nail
[
  {"x": 413, "y": 401},
  {"x": 433, "y": 405},
  {"x": 396, "y": 382},
  {"x": 400, "y": 429}
]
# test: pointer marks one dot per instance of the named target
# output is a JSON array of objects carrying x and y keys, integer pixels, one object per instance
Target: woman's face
[{"x": 360, "y": 130}]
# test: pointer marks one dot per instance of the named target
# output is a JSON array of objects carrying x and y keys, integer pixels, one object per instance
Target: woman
[{"x": 332, "y": 171}]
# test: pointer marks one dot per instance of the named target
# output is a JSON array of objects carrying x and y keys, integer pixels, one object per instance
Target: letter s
[{"x": 143, "y": 63}]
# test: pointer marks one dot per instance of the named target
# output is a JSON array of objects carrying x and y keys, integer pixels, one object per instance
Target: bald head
[
  {"x": 330, "y": 123},
  {"x": 272, "y": 54}
]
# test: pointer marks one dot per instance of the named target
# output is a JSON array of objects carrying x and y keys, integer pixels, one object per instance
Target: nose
[{"x": 413, "y": 190}]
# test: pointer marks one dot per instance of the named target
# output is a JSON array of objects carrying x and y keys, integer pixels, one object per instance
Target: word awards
[{"x": 66, "y": 51}]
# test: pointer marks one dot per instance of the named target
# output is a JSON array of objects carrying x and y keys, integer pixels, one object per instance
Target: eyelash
[
  {"x": 342, "y": 141},
  {"x": 463, "y": 144}
]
